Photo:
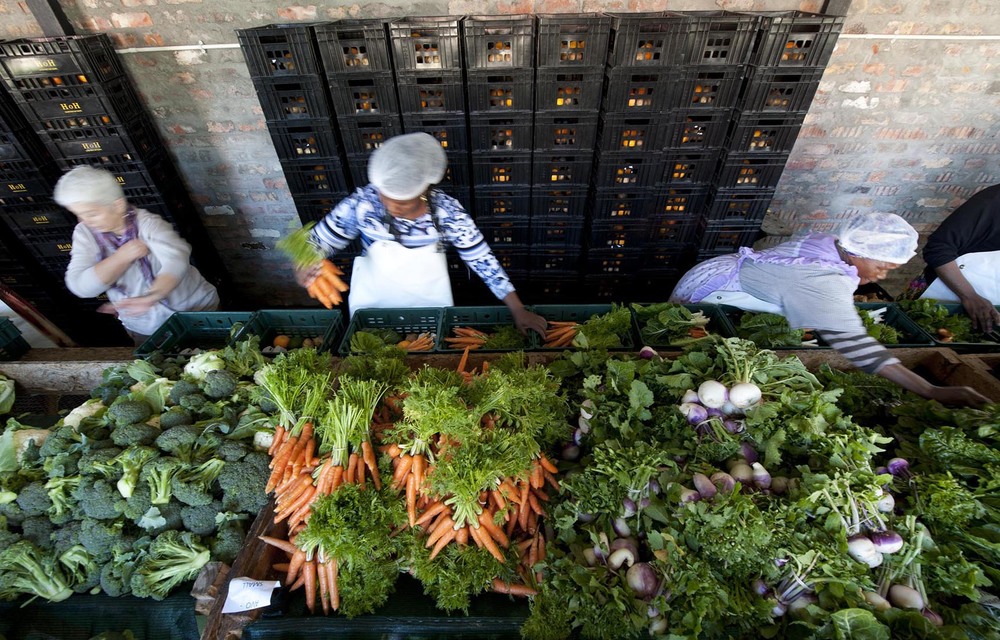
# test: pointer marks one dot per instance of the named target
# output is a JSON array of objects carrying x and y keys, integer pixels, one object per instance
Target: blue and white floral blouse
[{"x": 363, "y": 215}]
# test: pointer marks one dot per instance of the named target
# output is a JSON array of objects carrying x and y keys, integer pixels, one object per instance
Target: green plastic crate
[
  {"x": 327, "y": 325},
  {"x": 12, "y": 345},
  {"x": 955, "y": 308},
  {"x": 402, "y": 321},
  {"x": 580, "y": 313},
  {"x": 485, "y": 319},
  {"x": 910, "y": 333},
  {"x": 203, "y": 330},
  {"x": 718, "y": 324}
]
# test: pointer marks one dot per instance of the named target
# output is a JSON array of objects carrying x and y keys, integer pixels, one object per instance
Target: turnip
[
  {"x": 742, "y": 473},
  {"x": 761, "y": 588},
  {"x": 653, "y": 487},
  {"x": 723, "y": 481},
  {"x": 712, "y": 394},
  {"x": 748, "y": 452},
  {"x": 652, "y": 611},
  {"x": 641, "y": 577},
  {"x": 899, "y": 468},
  {"x": 905, "y": 597},
  {"x": 729, "y": 409},
  {"x": 647, "y": 353},
  {"x": 886, "y": 541},
  {"x": 621, "y": 527},
  {"x": 933, "y": 616},
  {"x": 797, "y": 607},
  {"x": 778, "y": 610},
  {"x": 689, "y": 495},
  {"x": 862, "y": 549},
  {"x": 628, "y": 508},
  {"x": 734, "y": 426},
  {"x": 779, "y": 485},
  {"x": 704, "y": 486},
  {"x": 583, "y": 424},
  {"x": 877, "y": 602},
  {"x": 744, "y": 395},
  {"x": 590, "y": 556},
  {"x": 587, "y": 409},
  {"x": 570, "y": 452},
  {"x": 658, "y": 627},
  {"x": 761, "y": 477},
  {"x": 695, "y": 413},
  {"x": 886, "y": 503},
  {"x": 690, "y": 396},
  {"x": 621, "y": 557}
]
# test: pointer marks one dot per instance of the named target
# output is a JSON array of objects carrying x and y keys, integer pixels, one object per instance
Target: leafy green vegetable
[
  {"x": 935, "y": 320},
  {"x": 669, "y": 324},
  {"x": 605, "y": 331},
  {"x": 769, "y": 330},
  {"x": 878, "y": 329},
  {"x": 505, "y": 338},
  {"x": 299, "y": 248}
]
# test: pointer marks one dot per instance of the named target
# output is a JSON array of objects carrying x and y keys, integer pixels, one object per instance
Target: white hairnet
[
  {"x": 879, "y": 236},
  {"x": 405, "y": 166},
  {"x": 87, "y": 185}
]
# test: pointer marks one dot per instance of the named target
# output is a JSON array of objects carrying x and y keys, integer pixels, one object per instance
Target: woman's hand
[
  {"x": 133, "y": 250},
  {"x": 963, "y": 396},
  {"x": 136, "y": 306},
  {"x": 982, "y": 312},
  {"x": 525, "y": 320},
  {"x": 305, "y": 275}
]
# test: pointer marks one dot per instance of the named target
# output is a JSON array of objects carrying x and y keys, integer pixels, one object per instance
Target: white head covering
[
  {"x": 879, "y": 236},
  {"x": 405, "y": 166}
]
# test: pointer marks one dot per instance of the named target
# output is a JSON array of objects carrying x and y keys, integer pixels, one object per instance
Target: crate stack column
[
  {"x": 285, "y": 69},
  {"x": 792, "y": 50},
  {"x": 499, "y": 60},
  {"x": 571, "y": 52}
]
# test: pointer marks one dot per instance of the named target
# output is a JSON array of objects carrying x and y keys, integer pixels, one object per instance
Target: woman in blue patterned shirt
[{"x": 403, "y": 262}]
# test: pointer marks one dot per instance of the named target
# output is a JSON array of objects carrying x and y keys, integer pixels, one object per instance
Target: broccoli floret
[
  {"x": 228, "y": 541},
  {"x": 172, "y": 559},
  {"x": 26, "y": 569},
  {"x": 7, "y": 537},
  {"x": 99, "y": 499},
  {"x": 100, "y": 537},
  {"x": 137, "y": 504},
  {"x": 193, "y": 485},
  {"x": 33, "y": 498},
  {"x": 100, "y": 462},
  {"x": 233, "y": 450},
  {"x": 243, "y": 483},
  {"x": 175, "y": 417},
  {"x": 179, "y": 441},
  {"x": 168, "y": 519},
  {"x": 158, "y": 475},
  {"x": 63, "y": 464},
  {"x": 202, "y": 520},
  {"x": 59, "y": 440},
  {"x": 183, "y": 388},
  {"x": 61, "y": 494},
  {"x": 131, "y": 461},
  {"x": 115, "y": 575},
  {"x": 81, "y": 571},
  {"x": 12, "y": 512},
  {"x": 219, "y": 384},
  {"x": 38, "y": 529},
  {"x": 134, "y": 435},
  {"x": 126, "y": 411},
  {"x": 66, "y": 536},
  {"x": 193, "y": 401}
]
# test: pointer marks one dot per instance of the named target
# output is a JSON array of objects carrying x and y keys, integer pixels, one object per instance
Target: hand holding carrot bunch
[{"x": 319, "y": 276}]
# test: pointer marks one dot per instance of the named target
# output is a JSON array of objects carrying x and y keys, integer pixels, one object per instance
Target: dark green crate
[
  {"x": 718, "y": 324},
  {"x": 580, "y": 313},
  {"x": 325, "y": 324},
  {"x": 402, "y": 321},
  {"x": 12, "y": 345},
  {"x": 205, "y": 330},
  {"x": 955, "y": 308},
  {"x": 485, "y": 319},
  {"x": 910, "y": 333}
]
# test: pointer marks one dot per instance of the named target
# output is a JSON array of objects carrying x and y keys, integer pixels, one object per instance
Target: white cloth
[
  {"x": 742, "y": 300},
  {"x": 390, "y": 275},
  {"x": 981, "y": 269},
  {"x": 168, "y": 254}
]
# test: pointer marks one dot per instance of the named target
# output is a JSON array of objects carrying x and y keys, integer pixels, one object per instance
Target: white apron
[
  {"x": 743, "y": 301},
  {"x": 390, "y": 275},
  {"x": 981, "y": 269}
]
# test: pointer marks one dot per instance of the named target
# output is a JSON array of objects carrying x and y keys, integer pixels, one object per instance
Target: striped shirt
[{"x": 362, "y": 215}]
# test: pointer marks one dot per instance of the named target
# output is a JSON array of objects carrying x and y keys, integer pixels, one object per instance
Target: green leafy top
[{"x": 299, "y": 248}]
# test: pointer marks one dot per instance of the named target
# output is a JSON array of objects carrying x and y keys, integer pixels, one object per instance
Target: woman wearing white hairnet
[
  {"x": 811, "y": 281},
  {"x": 404, "y": 224}
]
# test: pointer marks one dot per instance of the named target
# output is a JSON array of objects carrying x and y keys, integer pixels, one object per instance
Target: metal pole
[{"x": 50, "y": 17}]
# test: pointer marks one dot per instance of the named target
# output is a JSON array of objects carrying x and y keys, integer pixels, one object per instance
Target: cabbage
[
  {"x": 6, "y": 394},
  {"x": 200, "y": 364}
]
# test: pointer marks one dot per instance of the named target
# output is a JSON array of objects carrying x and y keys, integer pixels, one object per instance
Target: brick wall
[{"x": 905, "y": 119}]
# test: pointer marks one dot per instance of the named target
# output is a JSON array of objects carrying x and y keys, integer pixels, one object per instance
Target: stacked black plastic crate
[
  {"x": 791, "y": 52},
  {"x": 285, "y": 68},
  {"x": 571, "y": 51}
]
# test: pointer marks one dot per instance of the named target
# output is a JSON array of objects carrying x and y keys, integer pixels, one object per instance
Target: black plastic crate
[
  {"x": 672, "y": 230},
  {"x": 556, "y": 233},
  {"x": 572, "y": 40},
  {"x": 458, "y": 173},
  {"x": 638, "y": 90},
  {"x": 35, "y": 187},
  {"x": 651, "y": 39},
  {"x": 797, "y": 38},
  {"x": 500, "y": 90},
  {"x": 559, "y": 202},
  {"x": 566, "y": 131},
  {"x": 619, "y": 235},
  {"x": 91, "y": 57},
  {"x": 18, "y": 169},
  {"x": 463, "y": 194},
  {"x": 450, "y": 129},
  {"x": 56, "y": 245},
  {"x": 364, "y": 134},
  {"x": 567, "y": 89},
  {"x": 315, "y": 208},
  {"x": 751, "y": 170},
  {"x": 292, "y": 98},
  {"x": 680, "y": 201},
  {"x": 780, "y": 89},
  {"x": 617, "y": 169},
  {"x": 706, "y": 87},
  {"x": 666, "y": 261},
  {"x": 18, "y": 145},
  {"x": 431, "y": 91},
  {"x": 621, "y": 205},
  {"x": 361, "y": 94},
  {"x": 611, "y": 260},
  {"x": 504, "y": 42},
  {"x": 39, "y": 217},
  {"x": 426, "y": 43},
  {"x": 553, "y": 287},
  {"x": 501, "y": 132},
  {"x": 555, "y": 260},
  {"x": 350, "y": 46},
  {"x": 622, "y": 132},
  {"x": 695, "y": 128},
  {"x": 280, "y": 50},
  {"x": 356, "y": 168},
  {"x": 718, "y": 37},
  {"x": 508, "y": 233},
  {"x": 304, "y": 139},
  {"x": 111, "y": 102},
  {"x": 504, "y": 203},
  {"x": 689, "y": 167},
  {"x": 513, "y": 258},
  {"x": 722, "y": 238},
  {"x": 137, "y": 139},
  {"x": 554, "y": 168},
  {"x": 502, "y": 169},
  {"x": 54, "y": 265},
  {"x": 739, "y": 205},
  {"x": 757, "y": 133},
  {"x": 315, "y": 178},
  {"x": 615, "y": 287},
  {"x": 119, "y": 162}
]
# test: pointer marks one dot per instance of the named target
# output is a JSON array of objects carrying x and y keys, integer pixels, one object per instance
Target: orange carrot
[
  {"x": 465, "y": 359},
  {"x": 537, "y": 479},
  {"x": 295, "y": 565},
  {"x": 549, "y": 466},
  {"x": 310, "y": 584},
  {"x": 405, "y": 464},
  {"x": 352, "y": 468},
  {"x": 324, "y": 588},
  {"x": 513, "y": 589},
  {"x": 368, "y": 454},
  {"x": 334, "y": 589},
  {"x": 462, "y": 537},
  {"x": 443, "y": 541},
  {"x": 447, "y": 524},
  {"x": 284, "y": 545},
  {"x": 279, "y": 436},
  {"x": 486, "y": 521},
  {"x": 411, "y": 499},
  {"x": 483, "y": 539},
  {"x": 432, "y": 511}
]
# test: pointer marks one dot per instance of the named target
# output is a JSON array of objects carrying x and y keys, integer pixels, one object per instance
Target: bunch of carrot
[
  {"x": 697, "y": 332},
  {"x": 418, "y": 342},
  {"x": 313, "y": 574},
  {"x": 327, "y": 286},
  {"x": 560, "y": 334},
  {"x": 467, "y": 337}
]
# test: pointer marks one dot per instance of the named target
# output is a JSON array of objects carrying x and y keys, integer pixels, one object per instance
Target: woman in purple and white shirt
[{"x": 132, "y": 255}]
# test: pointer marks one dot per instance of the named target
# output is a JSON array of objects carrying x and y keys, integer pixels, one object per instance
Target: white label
[{"x": 246, "y": 594}]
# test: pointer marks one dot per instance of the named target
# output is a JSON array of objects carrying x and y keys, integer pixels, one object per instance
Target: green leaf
[{"x": 858, "y": 624}]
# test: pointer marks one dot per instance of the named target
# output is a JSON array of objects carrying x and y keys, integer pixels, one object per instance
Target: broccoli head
[
  {"x": 127, "y": 411},
  {"x": 60, "y": 440},
  {"x": 116, "y": 575},
  {"x": 7, "y": 537},
  {"x": 131, "y": 461},
  {"x": 228, "y": 541},
  {"x": 175, "y": 417},
  {"x": 166, "y": 517},
  {"x": 61, "y": 492},
  {"x": 202, "y": 520},
  {"x": 192, "y": 485},
  {"x": 38, "y": 529},
  {"x": 66, "y": 463},
  {"x": 172, "y": 559},
  {"x": 233, "y": 450},
  {"x": 100, "y": 537},
  {"x": 158, "y": 475},
  {"x": 100, "y": 462},
  {"x": 66, "y": 536},
  {"x": 219, "y": 384},
  {"x": 180, "y": 440},
  {"x": 183, "y": 388},
  {"x": 243, "y": 483},
  {"x": 82, "y": 572},
  {"x": 26, "y": 569},
  {"x": 33, "y": 499},
  {"x": 99, "y": 499},
  {"x": 12, "y": 512},
  {"x": 132, "y": 435}
]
